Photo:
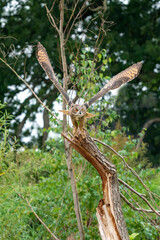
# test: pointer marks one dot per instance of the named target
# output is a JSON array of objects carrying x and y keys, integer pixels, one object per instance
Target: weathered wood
[{"x": 109, "y": 212}]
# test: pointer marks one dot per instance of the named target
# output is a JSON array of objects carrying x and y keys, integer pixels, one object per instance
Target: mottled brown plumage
[
  {"x": 78, "y": 113},
  {"x": 115, "y": 82},
  {"x": 78, "y": 116},
  {"x": 44, "y": 61}
]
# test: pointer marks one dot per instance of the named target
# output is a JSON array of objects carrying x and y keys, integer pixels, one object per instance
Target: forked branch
[{"x": 136, "y": 175}]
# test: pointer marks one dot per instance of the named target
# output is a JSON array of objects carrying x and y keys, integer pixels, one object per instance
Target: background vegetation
[{"x": 38, "y": 170}]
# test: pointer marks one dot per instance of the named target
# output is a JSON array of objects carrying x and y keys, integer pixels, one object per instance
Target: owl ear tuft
[
  {"x": 66, "y": 112},
  {"x": 89, "y": 115}
]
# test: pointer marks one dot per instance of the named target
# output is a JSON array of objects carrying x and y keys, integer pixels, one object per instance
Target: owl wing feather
[
  {"x": 115, "y": 82},
  {"x": 44, "y": 61}
]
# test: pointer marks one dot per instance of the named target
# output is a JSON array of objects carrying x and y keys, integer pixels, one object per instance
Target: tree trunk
[
  {"x": 68, "y": 150},
  {"x": 20, "y": 126},
  {"x": 146, "y": 126},
  {"x": 45, "y": 125},
  {"x": 109, "y": 212}
]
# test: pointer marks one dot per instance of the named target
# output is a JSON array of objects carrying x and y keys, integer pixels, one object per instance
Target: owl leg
[
  {"x": 81, "y": 127},
  {"x": 75, "y": 126}
]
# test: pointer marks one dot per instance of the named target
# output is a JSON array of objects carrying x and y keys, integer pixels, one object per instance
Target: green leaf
[
  {"x": 133, "y": 236},
  {"x": 103, "y": 68},
  {"x": 105, "y": 61},
  {"x": 110, "y": 60},
  {"x": 99, "y": 57}
]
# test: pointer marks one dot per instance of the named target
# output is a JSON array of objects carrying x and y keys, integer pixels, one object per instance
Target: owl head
[{"x": 77, "y": 111}]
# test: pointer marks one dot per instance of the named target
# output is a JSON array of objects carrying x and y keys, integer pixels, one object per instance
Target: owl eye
[{"x": 76, "y": 110}]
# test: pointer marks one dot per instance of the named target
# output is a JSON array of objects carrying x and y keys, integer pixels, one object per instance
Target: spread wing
[
  {"x": 44, "y": 61},
  {"x": 125, "y": 76}
]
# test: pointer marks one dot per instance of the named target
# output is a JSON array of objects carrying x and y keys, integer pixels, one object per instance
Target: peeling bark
[{"x": 109, "y": 212}]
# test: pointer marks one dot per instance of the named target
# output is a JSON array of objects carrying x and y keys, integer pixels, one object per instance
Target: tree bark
[
  {"x": 109, "y": 212},
  {"x": 68, "y": 149},
  {"x": 45, "y": 125}
]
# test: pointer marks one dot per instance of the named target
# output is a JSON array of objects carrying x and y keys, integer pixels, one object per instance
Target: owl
[{"x": 78, "y": 113}]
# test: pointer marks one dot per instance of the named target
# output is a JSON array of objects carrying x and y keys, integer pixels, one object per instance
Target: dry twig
[
  {"x": 68, "y": 149},
  {"x": 52, "y": 234},
  {"x": 30, "y": 89},
  {"x": 135, "y": 174},
  {"x": 144, "y": 214},
  {"x": 141, "y": 196},
  {"x": 133, "y": 207}
]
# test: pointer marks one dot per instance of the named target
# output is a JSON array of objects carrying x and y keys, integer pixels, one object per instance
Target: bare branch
[
  {"x": 73, "y": 23},
  {"x": 141, "y": 196},
  {"x": 30, "y": 89},
  {"x": 144, "y": 214},
  {"x": 146, "y": 126},
  {"x": 131, "y": 169},
  {"x": 133, "y": 207},
  {"x": 100, "y": 8},
  {"x": 71, "y": 15},
  {"x": 68, "y": 149},
  {"x": 51, "y": 19},
  {"x": 52, "y": 5},
  {"x": 54, "y": 237},
  {"x": 129, "y": 187},
  {"x": 75, "y": 195}
]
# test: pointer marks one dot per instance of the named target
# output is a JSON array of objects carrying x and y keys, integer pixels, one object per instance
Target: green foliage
[
  {"x": 88, "y": 69},
  {"x": 42, "y": 177},
  {"x": 133, "y": 236},
  {"x": 7, "y": 144},
  {"x": 135, "y": 37},
  {"x": 23, "y": 24}
]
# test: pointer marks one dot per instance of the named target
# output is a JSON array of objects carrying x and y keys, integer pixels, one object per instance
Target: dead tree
[{"x": 109, "y": 212}]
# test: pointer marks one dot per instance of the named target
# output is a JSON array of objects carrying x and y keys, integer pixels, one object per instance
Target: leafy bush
[{"x": 41, "y": 176}]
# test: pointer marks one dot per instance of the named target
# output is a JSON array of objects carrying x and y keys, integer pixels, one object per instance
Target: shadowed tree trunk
[
  {"x": 146, "y": 126},
  {"x": 45, "y": 125},
  {"x": 20, "y": 126}
]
